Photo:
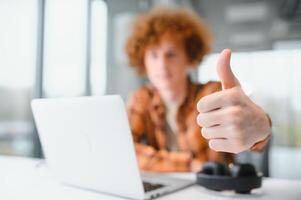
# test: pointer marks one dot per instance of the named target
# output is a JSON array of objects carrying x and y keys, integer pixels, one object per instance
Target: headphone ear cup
[
  {"x": 243, "y": 170},
  {"x": 215, "y": 168},
  {"x": 241, "y": 178}
]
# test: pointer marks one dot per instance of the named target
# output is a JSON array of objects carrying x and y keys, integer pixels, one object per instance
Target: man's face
[{"x": 166, "y": 64}]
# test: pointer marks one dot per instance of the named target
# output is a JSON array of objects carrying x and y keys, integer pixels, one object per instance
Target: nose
[{"x": 163, "y": 63}]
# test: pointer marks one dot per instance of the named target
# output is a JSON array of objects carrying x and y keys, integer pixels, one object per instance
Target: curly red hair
[{"x": 184, "y": 25}]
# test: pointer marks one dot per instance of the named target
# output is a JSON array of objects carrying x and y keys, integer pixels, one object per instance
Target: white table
[{"x": 22, "y": 178}]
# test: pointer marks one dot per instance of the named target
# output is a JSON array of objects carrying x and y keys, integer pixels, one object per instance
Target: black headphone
[{"x": 241, "y": 178}]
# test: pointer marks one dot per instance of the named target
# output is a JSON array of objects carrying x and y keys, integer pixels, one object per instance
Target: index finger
[{"x": 215, "y": 101}]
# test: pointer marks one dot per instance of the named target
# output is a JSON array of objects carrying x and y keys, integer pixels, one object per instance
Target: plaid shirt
[{"x": 147, "y": 111}]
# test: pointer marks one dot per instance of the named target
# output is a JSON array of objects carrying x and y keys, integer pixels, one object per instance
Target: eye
[{"x": 171, "y": 54}]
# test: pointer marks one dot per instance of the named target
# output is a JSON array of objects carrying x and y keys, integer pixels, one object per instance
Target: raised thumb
[{"x": 224, "y": 71}]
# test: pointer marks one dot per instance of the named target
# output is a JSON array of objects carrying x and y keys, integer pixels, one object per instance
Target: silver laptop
[{"x": 87, "y": 143}]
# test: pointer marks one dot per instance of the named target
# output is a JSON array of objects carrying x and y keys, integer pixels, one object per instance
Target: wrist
[{"x": 258, "y": 146}]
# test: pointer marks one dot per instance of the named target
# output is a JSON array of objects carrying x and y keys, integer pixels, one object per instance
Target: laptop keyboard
[{"x": 151, "y": 186}]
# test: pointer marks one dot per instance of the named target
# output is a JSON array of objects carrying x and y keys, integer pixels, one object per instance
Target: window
[
  {"x": 98, "y": 71},
  {"x": 75, "y": 47},
  {"x": 73, "y": 60},
  {"x": 18, "y": 22},
  {"x": 65, "y": 48}
]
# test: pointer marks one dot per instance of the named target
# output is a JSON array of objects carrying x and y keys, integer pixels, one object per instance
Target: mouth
[{"x": 165, "y": 76}]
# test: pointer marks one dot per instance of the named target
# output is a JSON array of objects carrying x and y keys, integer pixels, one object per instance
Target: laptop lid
[{"x": 87, "y": 143}]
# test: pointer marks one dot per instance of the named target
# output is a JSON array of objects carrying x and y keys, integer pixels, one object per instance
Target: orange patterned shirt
[{"x": 147, "y": 116}]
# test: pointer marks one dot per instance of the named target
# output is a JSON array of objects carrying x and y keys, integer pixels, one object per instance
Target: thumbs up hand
[{"x": 229, "y": 119}]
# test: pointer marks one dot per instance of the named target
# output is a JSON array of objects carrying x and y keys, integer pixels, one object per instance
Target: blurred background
[{"x": 55, "y": 48}]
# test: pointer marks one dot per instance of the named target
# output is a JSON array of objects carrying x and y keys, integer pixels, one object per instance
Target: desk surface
[{"x": 21, "y": 178}]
